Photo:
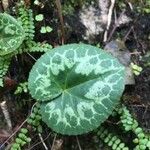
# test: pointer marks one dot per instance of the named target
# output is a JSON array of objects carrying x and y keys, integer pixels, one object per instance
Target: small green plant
[
  {"x": 144, "y": 8},
  {"x": 69, "y": 6},
  {"x": 21, "y": 139},
  {"x": 77, "y": 87},
  {"x": 17, "y": 37},
  {"x": 111, "y": 139},
  {"x": 46, "y": 29},
  {"x": 35, "y": 119},
  {"x": 146, "y": 59},
  {"x": 39, "y": 17},
  {"x": 136, "y": 69},
  {"x": 142, "y": 139},
  {"x": 22, "y": 87},
  {"x": 23, "y": 136}
]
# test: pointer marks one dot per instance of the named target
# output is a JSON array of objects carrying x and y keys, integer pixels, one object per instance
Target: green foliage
[
  {"x": 46, "y": 29},
  {"x": 11, "y": 37},
  {"x": 79, "y": 84},
  {"x": 35, "y": 119},
  {"x": 22, "y": 87},
  {"x": 11, "y": 34},
  {"x": 142, "y": 139},
  {"x": 21, "y": 140},
  {"x": 38, "y": 47},
  {"x": 29, "y": 45},
  {"x": 144, "y": 8},
  {"x": 111, "y": 139},
  {"x": 136, "y": 69},
  {"x": 17, "y": 37},
  {"x": 27, "y": 20},
  {"x": 146, "y": 59},
  {"x": 4, "y": 65},
  {"x": 68, "y": 6},
  {"x": 39, "y": 17}
]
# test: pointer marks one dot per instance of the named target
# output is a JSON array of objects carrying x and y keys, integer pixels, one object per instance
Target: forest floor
[{"x": 135, "y": 36}]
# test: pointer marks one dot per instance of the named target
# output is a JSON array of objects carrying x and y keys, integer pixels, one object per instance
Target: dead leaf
[{"x": 118, "y": 49}]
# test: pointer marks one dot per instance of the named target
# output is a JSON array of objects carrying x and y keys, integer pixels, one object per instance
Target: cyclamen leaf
[
  {"x": 11, "y": 34},
  {"x": 78, "y": 86}
]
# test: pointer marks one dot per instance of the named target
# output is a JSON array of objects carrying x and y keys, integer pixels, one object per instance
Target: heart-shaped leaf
[
  {"x": 11, "y": 34},
  {"x": 78, "y": 86}
]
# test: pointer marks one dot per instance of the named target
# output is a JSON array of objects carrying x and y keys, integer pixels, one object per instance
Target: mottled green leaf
[
  {"x": 78, "y": 86},
  {"x": 11, "y": 34}
]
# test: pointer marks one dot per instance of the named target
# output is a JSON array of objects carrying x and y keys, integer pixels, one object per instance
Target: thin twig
[
  {"x": 135, "y": 53},
  {"x": 16, "y": 130},
  {"x": 126, "y": 36},
  {"x": 13, "y": 133},
  {"x": 39, "y": 142},
  {"x": 109, "y": 19},
  {"x": 78, "y": 143},
  {"x": 115, "y": 16},
  {"x": 6, "y": 114},
  {"x": 130, "y": 5},
  {"x": 41, "y": 138},
  {"x": 53, "y": 141},
  {"x": 58, "y": 5},
  {"x": 31, "y": 56},
  {"x": 115, "y": 26}
]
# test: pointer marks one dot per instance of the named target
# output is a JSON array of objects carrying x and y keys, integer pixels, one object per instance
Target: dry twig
[
  {"x": 39, "y": 142},
  {"x": 78, "y": 143},
  {"x": 109, "y": 19},
  {"x": 6, "y": 114},
  {"x": 58, "y": 5},
  {"x": 16, "y": 130},
  {"x": 42, "y": 141},
  {"x": 13, "y": 134},
  {"x": 52, "y": 148}
]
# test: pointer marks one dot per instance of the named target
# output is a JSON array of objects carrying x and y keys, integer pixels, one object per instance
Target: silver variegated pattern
[
  {"x": 78, "y": 86},
  {"x": 11, "y": 34}
]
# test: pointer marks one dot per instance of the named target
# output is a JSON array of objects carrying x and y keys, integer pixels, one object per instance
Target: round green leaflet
[
  {"x": 78, "y": 86},
  {"x": 11, "y": 34}
]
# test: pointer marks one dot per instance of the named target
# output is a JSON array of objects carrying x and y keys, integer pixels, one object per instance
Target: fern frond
[
  {"x": 111, "y": 139},
  {"x": 38, "y": 47},
  {"x": 130, "y": 124},
  {"x": 26, "y": 17},
  {"x": 32, "y": 46},
  {"x": 4, "y": 65}
]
